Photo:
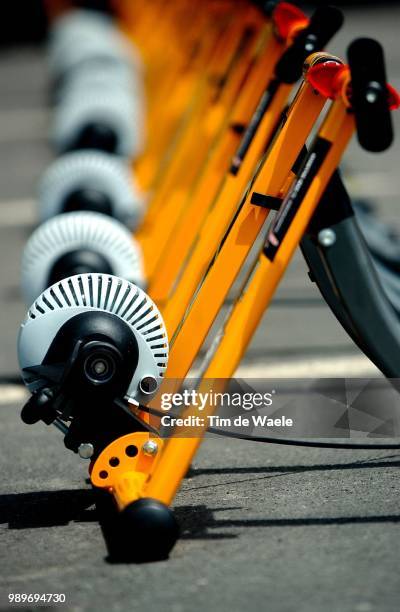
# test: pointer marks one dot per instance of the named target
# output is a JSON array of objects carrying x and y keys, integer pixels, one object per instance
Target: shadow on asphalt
[
  {"x": 47, "y": 508},
  {"x": 274, "y": 469},
  {"x": 12, "y": 380},
  {"x": 58, "y": 508}
]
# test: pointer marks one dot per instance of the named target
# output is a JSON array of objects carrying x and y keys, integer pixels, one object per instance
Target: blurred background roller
[
  {"x": 106, "y": 120},
  {"x": 90, "y": 180},
  {"x": 96, "y": 76},
  {"x": 78, "y": 243},
  {"x": 97, "y": 86},
  {"x": 80, "y": 36}
]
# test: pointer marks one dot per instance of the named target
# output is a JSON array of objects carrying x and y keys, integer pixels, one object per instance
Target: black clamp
[{"x": 265, "y": 201}]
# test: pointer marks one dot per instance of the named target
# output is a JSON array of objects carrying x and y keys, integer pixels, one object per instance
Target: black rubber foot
[{"x": 146, "y": 531}]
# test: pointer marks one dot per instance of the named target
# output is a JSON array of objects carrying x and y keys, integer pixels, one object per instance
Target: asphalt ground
[{"x": 263, "y": 527}]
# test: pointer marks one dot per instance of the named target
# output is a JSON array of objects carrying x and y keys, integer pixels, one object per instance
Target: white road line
[
  {"x": 351, "y": 366},
  {"x": 17, "y": 212},
  {"x": 12, "y": 394},
  {"x": 333, "y": 367}
]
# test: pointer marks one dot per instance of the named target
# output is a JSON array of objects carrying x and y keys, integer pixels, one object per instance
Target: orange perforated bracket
[{"x": 125, "y": 465}]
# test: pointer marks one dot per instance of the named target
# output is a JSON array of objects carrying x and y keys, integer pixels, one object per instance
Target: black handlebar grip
[
  {"x": 324, "y": 23},
  {"x": 370, "y": 95}
]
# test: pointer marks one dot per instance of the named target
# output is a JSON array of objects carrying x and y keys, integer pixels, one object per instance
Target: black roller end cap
[
  {"x": 81, "y": 261},
  {"x": 98, "y": 136},
  {"x": 88, "y": 199},
  {"x": 147, "y": 531}
]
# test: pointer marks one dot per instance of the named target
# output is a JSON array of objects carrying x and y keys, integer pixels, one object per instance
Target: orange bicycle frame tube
[
  {"x": 194, "y": 145},
  {"x": 219, "y": 216},
  {"x": 200, "y": 199},
  {"x": 248, "y": 310},
  {"x": 172, "y": 92},
  {"x": 248, "y": 222},
  {"x": 204, "y": 192},
  {"x": 222, "y": 213}
]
